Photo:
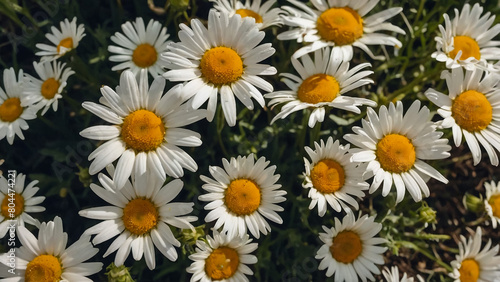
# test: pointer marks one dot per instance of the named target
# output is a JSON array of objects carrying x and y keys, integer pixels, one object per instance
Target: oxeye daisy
[
  {"x": 13, "y": 115},
  {"x": 147, "y": 129},
  {"x": 350, "y": 248},
  {"x": 473, "y": 264},
  {"x": 263, "y": 14},
  {"x": 141, "y": 213},
  {"x": 242, "y": 194},
  {"x": 339, "y": 23},
  {"x": 64, "y": 40},
  {"x": 322, "y": 85},
  {"x": 394, "y": 146},
  {"x": 222, "y": 258},
  {"x": 17, "y": 201},
  {"x": 139, "y": 47},
  {"x": 221, "y": 59},
  {"x": 492, "y": 202},
  {"x": 471, "y": 109},
  {"x": 392, "y": 275},
  {"x": 332, "y": 178},
  {"x": 44, "y": 92},
  {"x": 467, "y": 40}
]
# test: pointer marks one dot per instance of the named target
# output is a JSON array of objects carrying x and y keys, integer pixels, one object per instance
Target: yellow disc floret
[
  {"x": 16, "y": 206},
  {"x": 242, "y": 196},
  {"x": 249, "y": 13},
  {"x": 469, "y": 270},
  {"x": 472, "y": 111},
  {"x": 222, "y": 263},
  {"x": 346, "y": 247},
  {"x": 140, "y": 216},
  {"x": 327, "y": 176},
  {"x": 144, "y": 55},
  {"x": 494, "y": 202},
  {"x": 50, "y": 88},
  {"x": 342, "y": 25},
  {"x": 66, "y": 43},
  {"x": 11, "y": 109},
  {"x": 467, "y": 45},
  {"x": 143, "y": 130},
  {"x": 221, "y": 65},
  {"x": 43, "y": 268},
  {"x": 318, "y": 88},
  {"x": 395, "y": 153}
]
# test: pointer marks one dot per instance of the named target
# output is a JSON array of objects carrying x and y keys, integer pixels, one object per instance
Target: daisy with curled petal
[
  {"x": 222, "y": 258},
  {"x": 139, "y": 47},
  {"x": 141, "y": 213},
  {"x": 332, "y": 178},
  {"x": 241, "y": 195},
  {"x": 471, "y": 109},
  {"x": 64, "y": 40},
  {"x": 395, "y": 147},
  {"x": 339, "y": 23},
  {"x": 492, "y": 202},
  {"x": 221, "y": 59},
  {"x": 392, "y": 275},
  {"x": 263, "y": 14},
  {"x": 350, "y": 248},
  {"x": 473, "y": 264},
  {"x": 147, "y": 129},
  {"x": 322, "y": 84}
]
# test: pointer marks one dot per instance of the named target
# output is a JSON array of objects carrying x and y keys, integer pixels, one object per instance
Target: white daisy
[
  {"x": 222, "y": 258},
  {"x": 394, "y": 146},
  {"x": 13, "y": 116},
  {"x": 471, "y": 109},
  {"x": 64, "y": 40},
  {"x": 492, "y": 202},
  {"x": 471, "y": 264},
  {"x": 339, "y": 23},
  {"x": 392, "y": 275},
  {"x": 146, "y": 131},
  {"x": 263, "y": 14},
  {"x": 45, "y": 92},
  {"x": 221, "y": 59},
  {"x": 141, "y": 214},
  {"x": 321, "y": 85},
  {"x": 139, "y": 47},
  {"x": 467, "y": 40},
  {"x": 350, "y": 248},
  {"x": 46, "y": 258},
  {"x": 242, "y": 194},
  {"x": 332, "y": 177}
]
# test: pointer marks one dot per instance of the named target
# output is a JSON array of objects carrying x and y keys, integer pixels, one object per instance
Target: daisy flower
[
  {"x": 263, "y": 14},
  {"x": 17, "y": 201},
  {"x": 13, "y": 116},
  {"x": 139, "y": 47},
  {"x": 146, "y": 131},
  {"x": 332, "y": 178},
  {"x": 492, "y": 202},
  {"x": 141, "y": 214},
  {"x": 321, "y": 85},
  {"x": 222, "y": 258},
  {"x": 350, "y": 248},
  {"x": 45, "y": 92},
  {"x": 339, "y": 23},
  {"x": 221, "y": 59},
  {"x": 471, "y": 264},
  {"x": 241, "y": 195},
  {"x": 64, "y": 40},
  {"x": 467, "y": 40},
  {"x": 46, "y": 258},
  {"x": 392, "y": 275},
  {"x": 394, "y": 146},
  {"x": 471, "y": 109}
]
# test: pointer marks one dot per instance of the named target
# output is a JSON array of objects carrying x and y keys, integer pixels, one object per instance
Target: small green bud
[
  {"x": 188, "y": 237},
  {"x": 427, "y": 214},
  {"x": 179, "y": 5},
  {"x": 118, "y": 273},
  {"x": 84, "y": 176},
  {"x": 473, "y": 203}
]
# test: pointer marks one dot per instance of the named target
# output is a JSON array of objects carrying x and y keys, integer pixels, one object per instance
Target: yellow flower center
[
  {"x": 395, "y": 153},
  {"x": 49, "y": 88},
  {"x": 494, "y": 202},
  {"x": 327, "y": 176},
  {"x": 318, "y": 88},
  {"x": 472, "y": 111},
  {"x": 467, "y": 45},
  {"x": 16, "y": 205},
  {"x": 343, "y": 25},
  {"x": 11, "y": 109},
  {"x": 66, "y": 43},
  {"x": 144, "y": 55},
  {"x": 140, "y": 216},
  {"x": 242, "y": 196},
  {"x": 346, "y": 247},
  {"x": 222, "y": 263},
  {"x": 221, "y": 65},
  {"x": 469, "y": 271},
  {"x": 143, "y": 130},
  {"x": 249, "y": 13},
  {"x": 43, "y": 268}
]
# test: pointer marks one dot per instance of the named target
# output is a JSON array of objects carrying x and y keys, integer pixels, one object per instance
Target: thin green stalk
[{"x": 415, "y": 247}]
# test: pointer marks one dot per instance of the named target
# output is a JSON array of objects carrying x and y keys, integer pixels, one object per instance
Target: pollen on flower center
[
  {"x": 143, "y": 130},
  {"x": 469, "y": 271},
  {"x": 467, "y": 45},
  {"x": 343, "y": 25},
  {"x": 16, "y": 205},
  {"x": 66, "y": 43},
  {"x": 318, "y": 88},
  {"x": 144, "y": 55},
  {"x": 140, "y": 216},
  {"x": 221, "y": 65},
  {"x": 327, "y": 176},
  {"x": 43, "y": 268},
  {"x": 395, "y": 153},
  {"x": 494, "y": 202},
  {"x": 11, "y": 109},
  {"x": 472, "y": 111},
  {"x": 222, "y": 263},
  {"x": 50, "y": 88},
  {"x": 346, "y": 247},
  {"x": 249, "y": 13},
  {"x": 242, "y": 196}
]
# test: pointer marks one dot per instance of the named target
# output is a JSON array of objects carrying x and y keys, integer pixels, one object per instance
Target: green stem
[{"x": 415, "y": 247}]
